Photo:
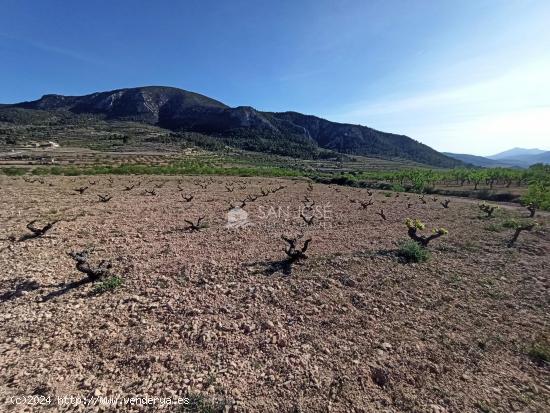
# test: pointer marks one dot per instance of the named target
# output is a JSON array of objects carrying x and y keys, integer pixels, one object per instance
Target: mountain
[
  {"x": 525, "y": 161},
  {"x": 540, "y": 158},
  {"x": 513, "y": 158},
  {"x": 515, "y": 153},
  {"x": 522, "y": 157},
  {"x": 180, "y": 111}
]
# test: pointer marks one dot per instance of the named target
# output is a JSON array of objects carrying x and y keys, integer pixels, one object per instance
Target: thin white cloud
[{"x": 54, "y": 49}]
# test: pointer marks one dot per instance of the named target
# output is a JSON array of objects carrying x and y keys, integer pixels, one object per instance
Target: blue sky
[{"x": 462, "y": 76}]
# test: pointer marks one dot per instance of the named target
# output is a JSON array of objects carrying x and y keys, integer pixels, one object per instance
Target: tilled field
[{"x": 217, "y": 313}]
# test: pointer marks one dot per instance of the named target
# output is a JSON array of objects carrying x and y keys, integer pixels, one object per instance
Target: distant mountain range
[
  {"x": 516, "y": 152},
  {"x": 180, "y": 111},
  {"x": 515, "y": 157}
]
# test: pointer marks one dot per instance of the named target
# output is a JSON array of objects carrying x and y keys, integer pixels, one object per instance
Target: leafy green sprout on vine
[{"x": 414, "y": 225}]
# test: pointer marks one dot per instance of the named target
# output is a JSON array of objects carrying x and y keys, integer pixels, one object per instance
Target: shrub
[
  {"x": 108, "y": 284},
  {"x": 412, "y": 251},
  {"x": 540, "y": 352}
]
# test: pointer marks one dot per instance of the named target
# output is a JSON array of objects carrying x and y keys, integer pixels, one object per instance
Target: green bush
[
  {"x": 108, "y": 284},
  {"x": 412, "y": 251},
  {"x": 14, "y": 171}
]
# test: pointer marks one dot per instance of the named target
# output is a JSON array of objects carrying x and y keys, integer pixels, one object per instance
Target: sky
[{"x": 469, "y": 76}]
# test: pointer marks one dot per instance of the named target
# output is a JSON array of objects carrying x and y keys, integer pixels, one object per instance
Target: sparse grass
[
  {"x": 210, "y": 379},
  {"x": 482, "y": 407},
  {"x": 411, "y": 251},
  {"x": 455, "y": 280},
  {"x": 163, "y": 284},
  {"x": 494, "y": 227},
  {"x": 495, "y": 294},
  {"x": 200, "y": 404},
  {"x": 471, "y": 246},
  {"x": 486, "y": 282},
  {"x": 108, "y": 284},
  {"x": 539, "y": 352}
]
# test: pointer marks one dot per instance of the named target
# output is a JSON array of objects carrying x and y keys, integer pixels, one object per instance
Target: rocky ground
[{"x": 217, "y": 313}]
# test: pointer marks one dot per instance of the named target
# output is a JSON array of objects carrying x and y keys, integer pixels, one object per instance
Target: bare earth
[{"x": 215, "y": 312}]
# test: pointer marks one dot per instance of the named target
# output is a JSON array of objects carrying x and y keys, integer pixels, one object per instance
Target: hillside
[{"x": 286, "y": 133}]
